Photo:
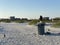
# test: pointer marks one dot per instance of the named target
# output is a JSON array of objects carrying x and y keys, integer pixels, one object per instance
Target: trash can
[{"x": 41, "y": 28}]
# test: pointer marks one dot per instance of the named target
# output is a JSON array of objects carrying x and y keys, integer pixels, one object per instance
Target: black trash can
[{"x": 41, "y": 28}]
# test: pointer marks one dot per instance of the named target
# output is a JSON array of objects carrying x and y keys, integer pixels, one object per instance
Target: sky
[{"x": 29, "y": 8}]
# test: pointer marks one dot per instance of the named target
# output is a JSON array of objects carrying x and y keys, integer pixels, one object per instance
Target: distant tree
[
  {"x": 57, "y": 18},
  {"x": 41, "y": 18}
]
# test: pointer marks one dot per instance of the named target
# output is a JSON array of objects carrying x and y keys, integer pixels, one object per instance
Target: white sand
[{"x": 23, "y": 34}]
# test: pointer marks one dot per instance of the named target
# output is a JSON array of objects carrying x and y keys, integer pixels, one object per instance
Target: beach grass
[{"x": 57, "y": 24}]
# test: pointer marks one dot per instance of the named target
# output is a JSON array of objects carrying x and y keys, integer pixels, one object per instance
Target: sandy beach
[{"x": 24, "y": 34}]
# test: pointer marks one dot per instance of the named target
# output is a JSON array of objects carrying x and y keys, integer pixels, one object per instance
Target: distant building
[
  {"x": 12, "y": 18},
  {"x": 17, "y": 18},
  {"x": 46, "y": 18}
]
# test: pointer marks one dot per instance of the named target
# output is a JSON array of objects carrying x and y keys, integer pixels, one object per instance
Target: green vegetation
[
  {"x": 33, "y": 22},
  {"x": 20, "y": 21},
  {"x": 57, "y": 24},
  {"x": 48, "y": 21},
  {"x": 5, "y": 20},
  {"x": 17, "y": 21}
]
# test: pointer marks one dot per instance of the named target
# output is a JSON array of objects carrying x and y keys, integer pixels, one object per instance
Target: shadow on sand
[{"x": 52, "y": 34}]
